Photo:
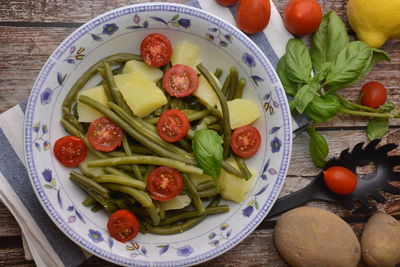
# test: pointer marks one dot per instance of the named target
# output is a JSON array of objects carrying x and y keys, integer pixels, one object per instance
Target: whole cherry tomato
[
  {"x": 373, "y": 94},
  {"x": 302, "y": 17},
  {"x": 253, "y": 16},
  {"x": 226, "y": 2},
  {"x": 340, "y": 180}
]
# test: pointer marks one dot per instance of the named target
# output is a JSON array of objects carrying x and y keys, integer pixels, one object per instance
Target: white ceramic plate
[{"x": 121, "y": 30}]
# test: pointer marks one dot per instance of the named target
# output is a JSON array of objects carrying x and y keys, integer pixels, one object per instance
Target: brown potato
[
  {"x": 380, "y": 241},
  {"x": 310, "y": 236}
]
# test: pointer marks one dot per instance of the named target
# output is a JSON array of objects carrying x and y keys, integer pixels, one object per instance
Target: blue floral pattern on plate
[{"x": 61, "y": 199}]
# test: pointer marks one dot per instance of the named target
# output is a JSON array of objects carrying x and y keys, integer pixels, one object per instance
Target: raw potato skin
[
  {"x": 308, "y": 236},
  {"x": 380, "y": 241}
]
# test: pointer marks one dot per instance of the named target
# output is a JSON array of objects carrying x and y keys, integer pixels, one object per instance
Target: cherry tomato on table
[
  {"x": 245, "y": 141},
  {"x": 253, "y": 16},
  {"x": 104, "y": 135},
  {"x": 226, "y": 2},
  {"x": 172, "y": 125},
  {"x": 302, "y": 17},
  {"x": 164, "y": 183},
  {"x": 156, "y": 50},
  {"x": 340, "y": 180},
  {"x": 373, "y": 94},
  {"x": 180, "y": 80},
  {"x": 123, "y": 225},
  {"x": 70, "y": 150}
]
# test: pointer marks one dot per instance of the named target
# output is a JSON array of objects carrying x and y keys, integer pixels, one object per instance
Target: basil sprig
[
  {"x": 312, "y": 78},
  {"x": 208, "y": 151}
]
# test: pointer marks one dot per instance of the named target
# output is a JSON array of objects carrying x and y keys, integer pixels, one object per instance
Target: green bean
[
  {"x": 205, "y": 122},
  {"x": 161, "y": 211},
  {"x": 191, "y": 117},
  {"x": 178, "y": 227},
  {"x": 122, "y": 180},
  {"x": 153, "y": 160},
  {"x": 239, "y": 88},
  {"x": 96, "y": 196},
  {"x": 233, "y": 84},
  {"x": 107, "y": 89},
  {"x": 89, "y": 172},
  {"x": 196, "y": 201},
  {"x": 132, "y": 132},
  {"x": 226, "y": 125},
  {"x": 215, "y": 127},
  {"x": 176, "y": 104},
  {"x": 205, "y": 185},
  {"x": 243, "y": 168},
  {"x": 218, "y": 73},
  {"x": 150, "y": 168},
  {"x": 152, "y": 211},
  {"x": 188, "y": 111},
  {"x": 208, "y": 193},
  {"x": 190, "y": 134},
  {"x": 74, "y": 121},
  {"x": 90, "y": 184},
  {"x": 96, "y": 207},
  {"x": 214, "y": 111},
  {"x": 128, "y": 152},
  {"x": 148, "y": 130},
  {"x": 185, "y": 145},
  {"x": 78, "y": 85},
  {"x": 142, "y": 197},
  {"x": 229, "y": 168},
  {"x": 194, "y": 213},
  {"x": 140, "y": 150},
  {"x": 122, "y": 203},
  {"x": 110, "y": 206},
  {"x": 89, "y": 201},
  {"x": 225, "y": 86},
  {"x": 115, "y": 171}
]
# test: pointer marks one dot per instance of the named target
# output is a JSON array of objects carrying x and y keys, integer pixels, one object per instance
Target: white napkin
[{"x": 45, "y": 243}]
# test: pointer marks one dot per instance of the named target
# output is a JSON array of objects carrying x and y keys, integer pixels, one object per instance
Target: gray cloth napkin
[{"x": 45, "y": 243}]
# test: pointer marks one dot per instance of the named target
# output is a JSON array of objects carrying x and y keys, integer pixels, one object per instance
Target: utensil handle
[{"x": 292, "y": 201}]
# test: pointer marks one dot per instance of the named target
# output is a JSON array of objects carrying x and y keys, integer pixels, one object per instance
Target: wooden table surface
[{"x": 31, "y": 29}]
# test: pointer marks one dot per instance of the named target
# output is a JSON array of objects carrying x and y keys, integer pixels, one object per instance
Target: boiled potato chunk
[
  {"x": 154, "y": 74},
  {"x": 232, "y": 187},
  {"x": 242, "y": 112},
  {"x": 176, "y": 203},
  {"x": 86, "y": 113},
  {"x": 186, "y": 53},
  {"x": 205, "y": 94},
  {"x": 141, "y": 94}
]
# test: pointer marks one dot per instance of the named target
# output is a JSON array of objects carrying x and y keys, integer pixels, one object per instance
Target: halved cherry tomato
[
  {"x": 156, "y": 50},
  {"x": 70, "y": 150},
  {"x": 164, "y": 183},
  {"x": 245, "y": 141},
  {"x": 302, "y": 17},
  {"x": 173, "y": 125},
  {"x": 340, "y": 180},
  {"x": 104, "y": 135},
  {"x": 123, "y": 225},
  {"x": 373, "y": 94},
  {"x": 180, "y": 80},
  {"x": 226, "y": 2},
  {"x": 253, "y": 16}
]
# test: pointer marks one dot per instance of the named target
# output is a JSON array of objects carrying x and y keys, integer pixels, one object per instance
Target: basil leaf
[
  {"x": 304, "y": 96},
  {"x": 377, "y": 55},
  {"x": 318, "y": 147},
  {"x": 377, "y": 128},
  {"x": 323, "y": 108},
  {"x": 387, "y": 107},
  {"x": 298, "y": 61},
  {"x": 289, "y": 86},
  {"x": 208, "y": 151},
  {"x": 330, "y": 38},
  {"x": 349, "y": 64}
]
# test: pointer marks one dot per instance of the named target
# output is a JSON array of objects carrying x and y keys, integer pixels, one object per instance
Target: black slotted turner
[{"x": 368, "y": 186}]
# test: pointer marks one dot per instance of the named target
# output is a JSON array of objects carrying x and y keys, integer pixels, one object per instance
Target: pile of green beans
[{"x": 121, "y": 183}]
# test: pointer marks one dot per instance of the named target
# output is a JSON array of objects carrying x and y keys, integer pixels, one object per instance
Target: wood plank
[
  {"x": 8, "y": 225},
  {"x": 14, "y": 257},
  {"x": 74, "y": 11}
]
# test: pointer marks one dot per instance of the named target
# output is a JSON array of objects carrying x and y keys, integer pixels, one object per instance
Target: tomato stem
[{"x": 367, "y": 114}]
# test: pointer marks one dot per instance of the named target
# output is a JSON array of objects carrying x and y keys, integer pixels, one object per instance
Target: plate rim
[{"x": 250, "y": 227}]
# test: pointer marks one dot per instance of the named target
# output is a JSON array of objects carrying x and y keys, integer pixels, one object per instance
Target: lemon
[{"x": 374, "y": 21}]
